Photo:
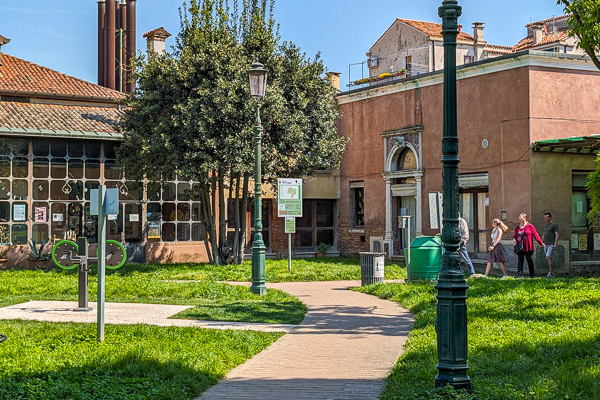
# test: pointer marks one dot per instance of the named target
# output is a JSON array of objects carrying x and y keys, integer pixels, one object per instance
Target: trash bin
[
  {"x": 425, "y": 258},
  {"x": 371, "y": 268}
]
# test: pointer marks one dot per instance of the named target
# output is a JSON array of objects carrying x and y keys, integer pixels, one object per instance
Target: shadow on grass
[{"x": 268, "y": 312}]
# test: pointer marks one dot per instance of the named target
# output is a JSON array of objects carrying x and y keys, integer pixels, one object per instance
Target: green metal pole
[
  {"x": 451, "y": 317},
  {"x": 258, "y": 245}
]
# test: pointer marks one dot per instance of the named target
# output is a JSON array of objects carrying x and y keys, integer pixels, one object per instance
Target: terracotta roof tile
[
  {"x": 58, "y": 117},
  {"x": 433, "y": 29},
  {"x": 17, "y": 75},
  {"x": 496, "y": 49},
  {"x": 160, "y": 33},
  {"x": 527, "y": 42},
  {"x": 548, "y": 20}
]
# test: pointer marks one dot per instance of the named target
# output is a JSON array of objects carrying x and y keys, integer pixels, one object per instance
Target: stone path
[{"x": 344, "y": 349}]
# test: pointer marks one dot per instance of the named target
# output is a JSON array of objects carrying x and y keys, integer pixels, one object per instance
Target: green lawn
[
  {"x": 56, "y": 361},
  {"x": 528, "y": 339}
]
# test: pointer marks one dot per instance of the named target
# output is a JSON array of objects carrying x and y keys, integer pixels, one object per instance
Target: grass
[
  {"x": 141, "y": 284},
  {"x": 528, "y": 339},
  {"x": 55, "y": 361},
  {"x": 303, "y": 270}
]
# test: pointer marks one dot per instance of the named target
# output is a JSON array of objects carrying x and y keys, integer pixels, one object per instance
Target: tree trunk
[
  {"x": 210, "y": 227},
  {"x": 236, "y": 218},
  {"x": 223, "y": 248},
  {"x": 204, "y": 218},
  {"x": 243, "y": 209}
]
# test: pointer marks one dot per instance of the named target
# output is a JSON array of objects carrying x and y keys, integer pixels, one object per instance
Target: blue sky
[{"x": 62, "y": 34}]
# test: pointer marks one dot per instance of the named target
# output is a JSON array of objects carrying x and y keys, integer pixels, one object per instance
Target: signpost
[
  {"x": 290, "y": 227},
  {"x": 289, "y": 205}
]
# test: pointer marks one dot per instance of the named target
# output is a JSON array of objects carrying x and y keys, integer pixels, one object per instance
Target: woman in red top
[{"x": 525, "y": 232}]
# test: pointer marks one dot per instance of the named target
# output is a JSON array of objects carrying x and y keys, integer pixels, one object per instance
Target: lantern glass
[{"x": 257, "y": 77}]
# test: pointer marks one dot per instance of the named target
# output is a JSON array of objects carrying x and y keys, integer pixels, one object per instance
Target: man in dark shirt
[{"x": 550, "y": 240}]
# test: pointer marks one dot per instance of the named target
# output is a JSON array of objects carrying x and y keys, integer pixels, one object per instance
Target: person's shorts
[{"x": 548, "y": 250}]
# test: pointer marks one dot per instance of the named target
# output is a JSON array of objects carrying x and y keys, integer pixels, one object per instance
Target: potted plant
[
  {"x": 36, "y": 257},
  {"x": 322, "y": 250}
]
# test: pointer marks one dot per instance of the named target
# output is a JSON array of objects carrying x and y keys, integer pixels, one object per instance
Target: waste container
[
  {"x": 425, "y": 257},
  {"x": 371, "y": 267}
]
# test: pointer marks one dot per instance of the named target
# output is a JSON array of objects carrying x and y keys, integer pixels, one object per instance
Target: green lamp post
[
  {"x": 451, "y": 312},
  {"x": 257, "y": 76}
]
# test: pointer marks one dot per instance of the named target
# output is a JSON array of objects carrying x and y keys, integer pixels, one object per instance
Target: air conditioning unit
[{"x": 376, "y": 244}]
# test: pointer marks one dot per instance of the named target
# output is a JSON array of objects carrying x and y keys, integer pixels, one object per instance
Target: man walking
[
  {"x": 463, "y": 228},
  {"x": 550, "y": 240}
]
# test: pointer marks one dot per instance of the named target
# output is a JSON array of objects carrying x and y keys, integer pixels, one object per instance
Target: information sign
[
  {"x": 290, "y": 225},
  {"x": 289, "y": 197}
]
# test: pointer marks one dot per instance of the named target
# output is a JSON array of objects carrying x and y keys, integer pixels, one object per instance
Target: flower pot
[{"x": 37, "y": 264}]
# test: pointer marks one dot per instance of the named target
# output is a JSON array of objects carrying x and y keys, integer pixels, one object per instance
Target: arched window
[{"x": 406, "y": 161}]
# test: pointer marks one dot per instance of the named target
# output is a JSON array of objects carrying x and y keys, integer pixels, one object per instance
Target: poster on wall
[
  {"x": 583, "y": 239},
  {"x": 39, "y": 214},
  {"x": 153, "y": 230},
  {"x": 19, "y": 212},
  {"x": 435, "y": 210},
  {"x": 596, "y": 242}
]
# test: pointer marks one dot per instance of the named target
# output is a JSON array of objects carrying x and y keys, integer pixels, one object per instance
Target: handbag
[{"x": 518, "y": 247}]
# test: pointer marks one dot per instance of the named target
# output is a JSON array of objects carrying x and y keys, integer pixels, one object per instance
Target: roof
[
  {"x": 433, "y": 29},
  {"x": 583, "y": 145},
  {"x": 548, "y": 20},
  {"x": 20, "y": 76},
  {"x": 496, "y": 49},
  {"x": 30, "y": 118},
  {"x": 159, "y": 33},
  {"x": 527, "y": 42}
]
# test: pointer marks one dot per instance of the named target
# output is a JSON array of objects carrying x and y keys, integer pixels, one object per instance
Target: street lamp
[
  {"x": 257, "y": 77},
  {"x": 451, "y": 312}
]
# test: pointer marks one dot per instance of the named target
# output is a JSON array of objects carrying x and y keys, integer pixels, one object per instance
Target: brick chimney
[
  {"x": 3, "y": 41},
  {"x": 334, "y": 79},
  {"x": 156, "y": 40},
  {"x": 479, "y": 43}
]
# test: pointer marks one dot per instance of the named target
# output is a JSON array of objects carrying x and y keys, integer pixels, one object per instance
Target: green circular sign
[
  {"x": 115, "y": 254},
  {"x": 63, "y": 252}
]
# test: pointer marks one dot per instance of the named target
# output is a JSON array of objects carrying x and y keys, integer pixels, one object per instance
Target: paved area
[
  {"x": 124, "y": 313},
  {"x": 344, "y": 349}
]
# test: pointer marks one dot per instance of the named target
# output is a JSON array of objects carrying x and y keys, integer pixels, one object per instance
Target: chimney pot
[
  {"x": 156, "y": 40},
  {"x": 334, "y": 79},
  {"x": 478, "y": 32}
]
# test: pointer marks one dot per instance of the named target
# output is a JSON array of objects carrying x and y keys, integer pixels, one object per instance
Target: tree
[
  {"x": 585, "y": 25},
  {"x": 192, "y": 114}
]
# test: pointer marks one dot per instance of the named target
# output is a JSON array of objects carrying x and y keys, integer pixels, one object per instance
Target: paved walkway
[{"x": 344, "y": 349}]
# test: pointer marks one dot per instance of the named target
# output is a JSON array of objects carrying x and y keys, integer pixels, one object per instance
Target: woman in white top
[{"x": 496, "y": 253}]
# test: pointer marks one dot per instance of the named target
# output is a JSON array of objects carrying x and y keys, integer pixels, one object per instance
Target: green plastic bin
[{"x": 425, "y": 258}]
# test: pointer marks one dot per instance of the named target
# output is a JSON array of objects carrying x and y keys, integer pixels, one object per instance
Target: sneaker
[
  {"x": 550, "y": 275},
  {"x": 504, "y": 277}
]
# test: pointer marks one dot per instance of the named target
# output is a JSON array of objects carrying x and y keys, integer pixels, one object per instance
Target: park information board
[{"x": 289, "y": 197}]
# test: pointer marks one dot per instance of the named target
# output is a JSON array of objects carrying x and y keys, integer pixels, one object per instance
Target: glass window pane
[
  {"x": 5, "y": 146},
  {"x": 168, "y": 232},
  {"x": 76, "y": 190},
  {"x": 183, "y": 191},
  {"x": 20, "y": 167},
  {"x": 76, "y": 148},
  {"x": 39, "y": 232},
  {"x": 109, "y": 149},
  {"x": 112, "y": 171},
  {"x": 19, "y": 212},
  {"x": 89, "y": 185},
  {"x": 325, "y": 213},
  {"x": 4, "y": 233},
  {"x": 169, "y": 192},
  {"x": 41, "y": 190},
  {"x": 168, "y": 213},
  {"x": 133, "y": 222},
  {"x": 20, "y": 147},
  {"x": 58, "y": 148},
  {"x": 41, "y": 147},
  {"x": 131, "y": 191},
  {"x": 183, "y": 212},
  {"x": 198, "y": 232},
  {"x": 196, "y": 212},
  {"x": 4, "y": 211},
  {"x": 183, "y": 232},
  {"x": 41, "y": 167},
  {"x": 4, "y": 166},
  {"x": 92, "y": 149},
  {"x": 4, "y": 189},
  {"x": 325, "y": 236},
  {"x": 92, "y": 169},
  {"x": 153, "y": 191},
  {"x": 306, "y": 220},
  {"x": 19, "y": 189},
  {"x": 196, "y": 189},
  {"x": 58, "y": 221},
  {"x": 153, "y": 215},
  {"x": 75, "y": 168},
  {"x": 115, "y": 227},
  {"x": 90, "y": 225},
  {"x": 58, "y": 189},
  {"x": 41, "y": 212},
  {"x": 19, "y": 234},
  {"x": 58, "y": 168},
  {"x": 303, "y": 238}
]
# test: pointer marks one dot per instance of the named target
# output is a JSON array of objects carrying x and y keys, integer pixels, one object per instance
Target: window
[
  {"x": 408, "y": 64},
  {"x": 469, "y": 59},
  {"x": 317, "y": 224},
  {"x": 357, "y": 205},
  {"x": 582, "y": 243}
]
